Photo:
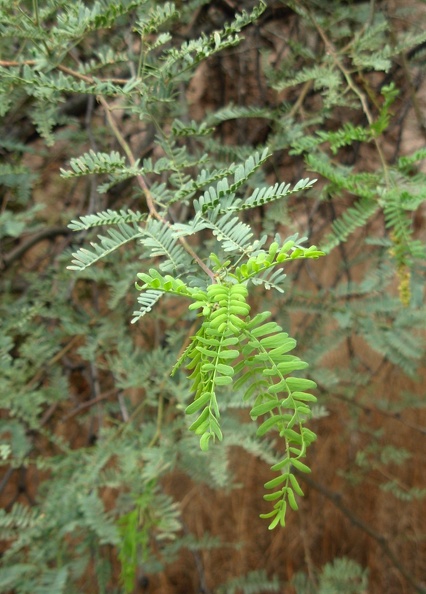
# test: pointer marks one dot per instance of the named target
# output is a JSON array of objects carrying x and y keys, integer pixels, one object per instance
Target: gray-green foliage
[
  {"x": 71, "y": 501},
  {"x": 185, "y": 234},
  {"x": 343, "y": 576}
]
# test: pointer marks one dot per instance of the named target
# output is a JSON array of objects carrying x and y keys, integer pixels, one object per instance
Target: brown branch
[
  {"x": 337, "y": 501},
  {"x": 6, "y": 478},
  {"x": 354, "y": 88},
  {"x": 410, "y": 86},
  {"x": 7, "y": 259},
  {"x": 66, "y": 70},
  {"x": 39, "y": 374},
  {"x": 125, "y": 146},
  {"x": 89, "y": 403},
  {"x": 302, "y": 96},
  {"x": 12, "y": 63},
  {"x": 373, "y": 410},
  {"x": 145, "y": 189},
  {"x": 89, "y": 79}
]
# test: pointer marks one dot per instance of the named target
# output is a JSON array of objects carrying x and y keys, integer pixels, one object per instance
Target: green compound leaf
[{"x": 251, "y": 355}]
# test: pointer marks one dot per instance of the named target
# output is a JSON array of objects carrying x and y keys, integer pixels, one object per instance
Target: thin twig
[
  {"x": 302, "y": 95},
  {"x": 410, "y": 86},
  {"x": 336, "y": 499},
  {"x": 118, "y": 81},
  {"x": 6, "y": 478},
  {"x": 39, "y": 374},
  {"x": 125, "y": 146},
  {"x": 371, "y": 410},
  {"x": 7, "y": 259},
  {"x": 144, "y": 187},
  {"x": 354, "y": 88},
  {"x": 66, "y": 70},
  {"x": 89, "y": 403}
]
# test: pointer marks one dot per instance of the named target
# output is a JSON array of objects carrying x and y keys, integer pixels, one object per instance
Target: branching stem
[
  {"x": 145, "y": 189},
  {"x": 354, "y": 88},
  {"x": 65, "y": 69},
  {"x": 336, "y": 499}
]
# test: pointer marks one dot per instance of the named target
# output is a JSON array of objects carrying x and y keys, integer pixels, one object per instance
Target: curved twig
[
  {"x": 7, "y": 260},
  {"x": 337, "y": 501}
]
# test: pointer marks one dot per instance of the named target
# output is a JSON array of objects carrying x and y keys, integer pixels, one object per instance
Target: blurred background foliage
[{"x": 102, "y": 488}]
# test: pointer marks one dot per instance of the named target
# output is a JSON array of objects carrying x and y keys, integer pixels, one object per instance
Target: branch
[
  {"x": 89, "y": 403},
  {"x": 65, "y": 69},
  {"x": 126, "y": 148},
  {"x": 336, "y": 499},
  {"x": 16, "y": 253},
  {"x": 354, "y": 88},
  {"x": 410, "y": 85},
  {"x": 395, "y": 416},
  {"x": 145, "y": 189}
]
